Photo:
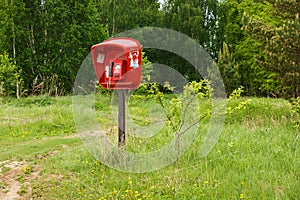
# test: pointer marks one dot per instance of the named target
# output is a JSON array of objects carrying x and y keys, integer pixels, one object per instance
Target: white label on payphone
[
  {"x": 134, "y": 62},
  {"x": 100, "y": 58}
]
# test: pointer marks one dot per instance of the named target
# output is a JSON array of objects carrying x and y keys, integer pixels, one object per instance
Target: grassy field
[{"x": 42, "y": 157}]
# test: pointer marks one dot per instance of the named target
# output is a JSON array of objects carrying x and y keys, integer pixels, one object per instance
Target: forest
[
  {"x": 255, "y": 43},
  {"x": 60, "y": 140}
]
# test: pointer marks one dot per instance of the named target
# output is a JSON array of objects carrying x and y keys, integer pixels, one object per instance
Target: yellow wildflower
[{"x": 242, "y": 196}]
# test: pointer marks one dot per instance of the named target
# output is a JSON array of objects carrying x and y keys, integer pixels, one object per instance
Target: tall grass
[{"x": 257, "y": 156}]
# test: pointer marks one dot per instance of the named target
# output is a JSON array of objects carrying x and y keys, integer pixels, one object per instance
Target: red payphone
[
  {"x": 118, "y": 63},
  {"x": 118, "y": 66}
]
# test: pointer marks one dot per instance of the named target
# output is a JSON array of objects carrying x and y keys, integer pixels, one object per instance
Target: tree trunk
[
  {"x": 13, "y": 33},
  {"x": 113, "y": 20},
  {"x": 14, "y": 45}
]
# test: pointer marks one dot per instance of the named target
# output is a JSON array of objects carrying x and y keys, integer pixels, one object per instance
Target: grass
[{"x": 256, "y": 157}]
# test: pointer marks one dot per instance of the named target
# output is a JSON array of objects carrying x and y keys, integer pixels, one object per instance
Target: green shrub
[{"x": 9, "y": 76}]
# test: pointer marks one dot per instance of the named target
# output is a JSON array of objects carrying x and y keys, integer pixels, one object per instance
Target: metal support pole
[{"x": 121, "y": 118}]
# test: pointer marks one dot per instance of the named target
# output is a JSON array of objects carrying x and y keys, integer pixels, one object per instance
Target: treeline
[{"x": 255, "y": 43}]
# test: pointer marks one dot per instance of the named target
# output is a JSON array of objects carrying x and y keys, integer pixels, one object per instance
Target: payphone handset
[{"x": 115, "y": 70}]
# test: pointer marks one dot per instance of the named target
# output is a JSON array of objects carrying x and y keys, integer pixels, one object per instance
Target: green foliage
[
  {"x": 9, "y": 76},
  {"x": 255, "y": 43},
  {"x": 236, "y": 110},
  {"x": 296, "y": 111},
  {"x": 237, "y": 93},
  {"x": 49, "y": 41},
  {"x": 157, "y": 92},
  {"x": 175, "y": 106},
  {"x": 201, "y": 89},
  {"x": 239, "y": 60},
  {"x": 228, "y": 69},
  {"x": 280, "y": 38},
  {"x": 147, "y": 68},
  {"x": 296, "y": 105},
  {"x": 3, "y": 25},
  {"x": 118, "y": 16},
  {"x": 196, "y": 19}
]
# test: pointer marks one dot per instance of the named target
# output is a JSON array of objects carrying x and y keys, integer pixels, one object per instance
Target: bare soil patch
[{"x": 16, "y": 178}]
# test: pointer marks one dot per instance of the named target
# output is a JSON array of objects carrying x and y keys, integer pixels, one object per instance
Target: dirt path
[
  {"x": 16, "y": 178},
  {"x": 9, "y": 185}
]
